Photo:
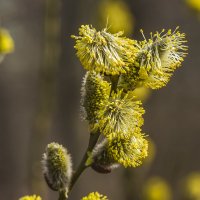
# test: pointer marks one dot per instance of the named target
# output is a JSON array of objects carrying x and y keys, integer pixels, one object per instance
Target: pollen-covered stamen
[
  {"x": 160, "y": 56},
  {"x": 128, "y": 151},
  {"x": 156, "y": 61},
  {"x": 121, "y": 116},
  {"x": 104, "y": 52}
]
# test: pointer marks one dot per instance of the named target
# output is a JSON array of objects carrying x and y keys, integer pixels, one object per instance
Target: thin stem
[
  {"x": 92, "y": 142},
  {"x": 62, "y": 195},
  {"x": 114, "y": 80}
]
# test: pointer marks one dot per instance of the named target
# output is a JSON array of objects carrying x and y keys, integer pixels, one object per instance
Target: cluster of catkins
[{"x": 115, "y": 66}]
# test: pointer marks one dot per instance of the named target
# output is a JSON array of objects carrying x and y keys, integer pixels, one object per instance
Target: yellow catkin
[
  {"x": 128, "y": 151},
  {"x": 122, "y": 115},
  {"x": 94, "y": 196},
  {"x": 94, "y": 96},
  {"x": 33, "y": 197},
  {"x": 104, "y": 52},
  {"x": 156, "y": 61}
]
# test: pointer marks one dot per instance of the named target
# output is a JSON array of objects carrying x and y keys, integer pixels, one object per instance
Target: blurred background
[{"x": 40, "y": 99}]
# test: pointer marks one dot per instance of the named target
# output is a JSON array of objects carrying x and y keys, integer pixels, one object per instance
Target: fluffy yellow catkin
[
  {"x": 104, "y": 52},
  {"x": 128, "y": 151},
  {"x": 95, "y": 92},
  {"x": 122, "y": 115},
  {"x": 33, "y": 197},
  {"x": 156, "y": 61},
  {"x": 94, "y": 196}
]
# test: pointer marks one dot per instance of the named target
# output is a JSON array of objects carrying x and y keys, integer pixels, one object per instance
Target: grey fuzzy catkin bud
[
  {"x": 101, "y": 162},
  {"x": 57, "y": 167}
]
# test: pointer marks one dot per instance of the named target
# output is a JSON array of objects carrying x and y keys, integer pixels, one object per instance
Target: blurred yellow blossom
[
  {"x": 156, "y": 61},
  {"x": 192, "y": 186},
  {"x": 151, "y": 152},
  {"x": 157, "y": 189},
  {"x": 119, "y": 16},
  {"x": 6, "y": 42},
  {"x": 194, "y": 4}
]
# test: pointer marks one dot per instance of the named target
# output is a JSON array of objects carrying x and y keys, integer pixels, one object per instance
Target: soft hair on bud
[
  {"x": 33, "y": 197},
  {"x": 95, "y": 196},
  {"x": 104, "y": 52},
  {"x": 57, "y": 167},
  {"x": 101, "y": 161},
  {"x": 94, "y": 95}
]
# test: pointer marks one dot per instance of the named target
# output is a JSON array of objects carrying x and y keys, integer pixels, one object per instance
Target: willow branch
[{"x": 82, "y": 166}]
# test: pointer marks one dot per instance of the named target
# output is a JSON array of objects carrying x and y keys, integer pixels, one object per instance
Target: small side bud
[
  {"x": 33, "y": 197},
  {"x": 95, "y": 196},
  {"x": 101, "y": 162},
  {"x": 57, "y": 167}
]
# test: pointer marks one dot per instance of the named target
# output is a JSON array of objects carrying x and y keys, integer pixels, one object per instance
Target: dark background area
[{"x": 40, "y": 98}]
